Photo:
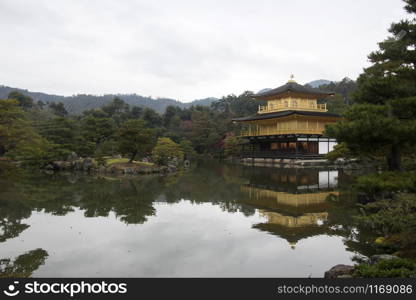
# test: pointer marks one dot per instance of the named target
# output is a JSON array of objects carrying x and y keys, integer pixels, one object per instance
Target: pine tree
[
  {"x": 135, "y": 139},
  {"x": 384, "y": 119}
]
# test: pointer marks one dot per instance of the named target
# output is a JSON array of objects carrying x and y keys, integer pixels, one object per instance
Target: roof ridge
[{"x": 293, "y": 87}]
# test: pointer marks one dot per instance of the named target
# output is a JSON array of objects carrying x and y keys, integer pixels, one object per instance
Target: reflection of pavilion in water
[{"x": 293, "y": 201}]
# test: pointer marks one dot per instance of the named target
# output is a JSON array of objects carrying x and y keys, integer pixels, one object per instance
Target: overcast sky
[{"x": 185, "y": 49}]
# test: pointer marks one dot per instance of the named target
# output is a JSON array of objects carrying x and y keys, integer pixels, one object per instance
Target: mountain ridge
[
  {"x": 317, "y": 83},
  {"x": 76, "y": 104}
]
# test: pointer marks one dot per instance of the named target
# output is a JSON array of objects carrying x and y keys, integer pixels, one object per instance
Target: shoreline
[{"x": 285, "y": 163}]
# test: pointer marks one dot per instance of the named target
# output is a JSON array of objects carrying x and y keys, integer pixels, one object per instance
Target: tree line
[{"x": 36, "y": 133}]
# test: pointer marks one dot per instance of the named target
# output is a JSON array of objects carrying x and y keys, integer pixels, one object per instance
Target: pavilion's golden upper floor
[
  {"x": 294, "y": 124},
  {"x": 291, "y": 103},
  {"x": 290, "y": 109}
]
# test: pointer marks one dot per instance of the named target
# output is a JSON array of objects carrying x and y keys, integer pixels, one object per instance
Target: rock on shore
[
  {"x": 75, "y": 163},
  {"x": 339, "y": 271}
]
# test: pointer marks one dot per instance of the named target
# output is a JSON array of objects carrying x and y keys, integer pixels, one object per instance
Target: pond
[{"x": 214, "y": 220}]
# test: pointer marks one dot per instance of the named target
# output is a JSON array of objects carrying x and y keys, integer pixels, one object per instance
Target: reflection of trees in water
[
  {"x": 12, "y": 210},
  {"x": 342, "y": 222},
  {"x": 24, "y": 265},
  {"x": 100, "y": 197},
  {"x": 132, "y": 199},
  {"x": 209, "y": 185},
  {"x": 10, "y": 229}
]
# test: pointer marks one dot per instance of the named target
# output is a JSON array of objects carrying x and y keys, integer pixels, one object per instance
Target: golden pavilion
[{"x": 290, "y": 125}]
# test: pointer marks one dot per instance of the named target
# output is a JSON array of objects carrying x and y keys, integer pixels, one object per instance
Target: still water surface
[{"x": 216, "y": 221}]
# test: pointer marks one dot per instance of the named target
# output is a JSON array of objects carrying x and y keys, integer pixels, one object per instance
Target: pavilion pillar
[
  {"x": 252, "y": 152},
  {"x": 296, "y": 149}
]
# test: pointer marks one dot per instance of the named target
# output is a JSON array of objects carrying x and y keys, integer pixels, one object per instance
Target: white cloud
[{"x": 185, "y": 49}]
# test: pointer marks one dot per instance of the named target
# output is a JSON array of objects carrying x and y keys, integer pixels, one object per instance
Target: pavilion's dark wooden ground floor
[{"x": 287, "y": 146}]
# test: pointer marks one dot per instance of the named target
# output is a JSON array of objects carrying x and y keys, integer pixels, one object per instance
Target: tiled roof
[
  {"x": 285, "y": 113},
  {"x": 294, "y": 87}
]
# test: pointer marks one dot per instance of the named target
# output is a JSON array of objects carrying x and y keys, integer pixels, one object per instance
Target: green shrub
[
  {"x": 394, "y": 219},
  {"x": 398, "y": 267},
  {"x": 166, "y": 150},
  {"x": 340, "y": 151},
  {"x": 384, "y": 185}
]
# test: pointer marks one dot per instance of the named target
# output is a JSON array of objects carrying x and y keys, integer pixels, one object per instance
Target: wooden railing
[
  {"x": 275, "y": 131},
  {"x": 278, "y": 107},
  {"x": 278, "y": 154}
]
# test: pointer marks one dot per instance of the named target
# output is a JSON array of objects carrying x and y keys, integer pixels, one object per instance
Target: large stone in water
[
  {"x": 73, "y": 156},
  {"x": 88, "y": 164}
]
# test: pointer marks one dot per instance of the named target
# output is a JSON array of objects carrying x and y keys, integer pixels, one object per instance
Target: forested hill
[{"x": 78, "y": 103}]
